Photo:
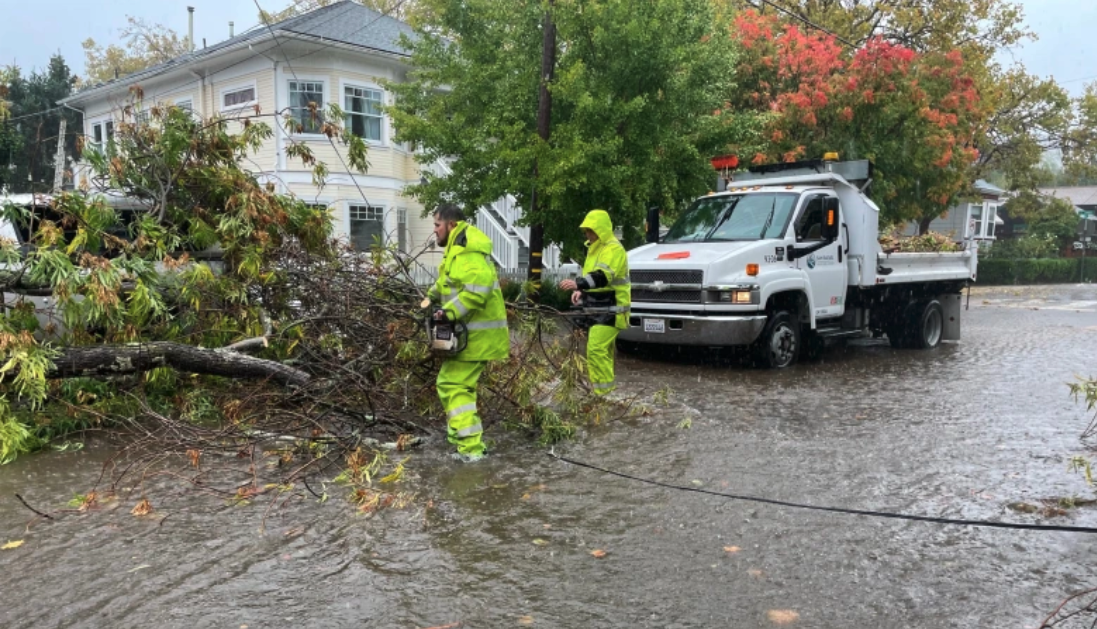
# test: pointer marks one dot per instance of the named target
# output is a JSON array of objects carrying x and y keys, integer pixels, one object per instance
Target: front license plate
[{"x": 655, "y": 326}]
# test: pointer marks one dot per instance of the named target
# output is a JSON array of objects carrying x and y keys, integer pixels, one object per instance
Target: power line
[
  {"x": 844, "y": 510},
  {"x": 806, "y": 21},
  {"x": 37, "y": 113}
]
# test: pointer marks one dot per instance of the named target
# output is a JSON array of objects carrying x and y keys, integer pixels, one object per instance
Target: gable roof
[
  {"x": 982, "y": 186},
  {"x": 344, "y": 22}
]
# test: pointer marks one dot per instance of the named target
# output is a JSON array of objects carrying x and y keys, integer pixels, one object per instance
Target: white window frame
[
  {"x": 402, "y": 234},
  {"x": 983, "y": 226},
  {"x": 106, "y": 126},
  {"x": 990, "y": 219},
  {"x": 324, "y": 81},
  {"x": 236, "y": 87},
  {"x": 381, "y": 212},
  {"x": 365, "y": 85}
]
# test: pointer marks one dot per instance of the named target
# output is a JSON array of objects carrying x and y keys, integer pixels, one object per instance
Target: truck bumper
[{"x": 693, "y": 330}]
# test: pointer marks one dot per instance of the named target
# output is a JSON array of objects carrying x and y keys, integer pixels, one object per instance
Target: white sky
[{"x": 31, "y": 31}]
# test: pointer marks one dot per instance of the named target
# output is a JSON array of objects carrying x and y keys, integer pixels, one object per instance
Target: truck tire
[
  {"x": 926, "y": 325},
  {"x": 779, "y": 343},
  {"x": 897, "y": 335}
]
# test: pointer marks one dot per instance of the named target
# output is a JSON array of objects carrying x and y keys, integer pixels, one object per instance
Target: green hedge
[{"x": 995, "y": 272}]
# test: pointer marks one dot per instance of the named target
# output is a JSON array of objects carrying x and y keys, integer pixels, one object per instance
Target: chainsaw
[{"x": 445, "y": 336}]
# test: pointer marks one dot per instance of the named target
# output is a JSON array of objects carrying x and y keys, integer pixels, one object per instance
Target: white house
[{"x": 339, "y": 53}]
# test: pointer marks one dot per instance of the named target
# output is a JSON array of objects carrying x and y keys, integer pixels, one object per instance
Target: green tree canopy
[
  {"x": 28, "y": 143},
  {"x": 639, "y": 106}
]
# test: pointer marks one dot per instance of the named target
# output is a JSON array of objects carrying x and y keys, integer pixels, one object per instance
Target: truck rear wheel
[
  {"x": 925, "y": 331},
  {"x": 779, "y": 342},
  {"x": 919, "y": 327}
]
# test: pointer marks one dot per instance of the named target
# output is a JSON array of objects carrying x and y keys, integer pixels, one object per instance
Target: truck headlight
[{"x": 736, "y": 295}]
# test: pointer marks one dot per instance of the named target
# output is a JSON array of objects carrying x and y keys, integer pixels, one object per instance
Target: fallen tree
[
  {"x": 292, "y": 346},
  {"x": 113, "y": 360}
]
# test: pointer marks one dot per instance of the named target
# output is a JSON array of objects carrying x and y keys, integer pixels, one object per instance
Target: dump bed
[{"x": 902, "y": 268}]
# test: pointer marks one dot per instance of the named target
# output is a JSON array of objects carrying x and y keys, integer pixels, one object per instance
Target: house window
[
  {"x": 363, "y": 109},
  {"x": 367, "y": 226},
  {"x": 402, "y": 229},
  {"x": 301, "y": 95},
  {"x": 102, "y": 132},
  {"x": 982, "y": 220},
  {"x": 991, "y": 222},
  {"x": 238, "y": 97},
  {"x": 186, "y": 105},
  {"x": 975, "y": 223}
]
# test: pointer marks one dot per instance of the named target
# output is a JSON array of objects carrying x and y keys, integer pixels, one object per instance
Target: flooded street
[{"x": 960, "y": 432}]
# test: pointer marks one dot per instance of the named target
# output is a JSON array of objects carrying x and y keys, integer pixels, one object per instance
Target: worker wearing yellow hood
[{"x": 604, "y": 284}]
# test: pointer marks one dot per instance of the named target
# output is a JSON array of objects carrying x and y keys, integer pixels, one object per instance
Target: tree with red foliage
[{"x": 914, "y": 114}]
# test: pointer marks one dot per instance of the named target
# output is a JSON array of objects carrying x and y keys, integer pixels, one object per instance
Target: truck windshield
[{"x": 737, "y": 217}]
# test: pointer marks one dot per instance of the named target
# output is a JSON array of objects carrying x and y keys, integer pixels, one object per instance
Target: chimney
[
  {"x": 232, "y": 30},
  {"x": 190, "y": 28}
]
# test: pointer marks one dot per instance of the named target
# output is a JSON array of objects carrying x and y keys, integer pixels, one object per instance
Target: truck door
[{"x": 825, "y": 268}]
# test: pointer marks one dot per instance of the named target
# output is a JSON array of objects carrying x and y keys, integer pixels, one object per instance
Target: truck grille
[
  {"x": 672, "y": 296},
  {"x": 667, "y": 277}
]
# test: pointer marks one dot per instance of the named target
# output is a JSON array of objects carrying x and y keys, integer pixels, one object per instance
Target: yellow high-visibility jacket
[
  {"x": 468, "y": 290},
  {"x": 605, "y": 271}
]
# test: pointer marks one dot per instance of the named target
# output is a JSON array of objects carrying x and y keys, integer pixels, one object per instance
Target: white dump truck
[{"x": 784, "y": 259}]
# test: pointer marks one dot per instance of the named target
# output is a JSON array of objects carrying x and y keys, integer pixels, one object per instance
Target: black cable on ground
[{"x": 874, "y": 514}]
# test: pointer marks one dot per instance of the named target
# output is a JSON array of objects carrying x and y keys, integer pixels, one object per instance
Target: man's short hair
[{"x": 449, "y": 212}]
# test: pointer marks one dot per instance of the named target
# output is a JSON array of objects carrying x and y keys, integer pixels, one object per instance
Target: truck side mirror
[
  {"x": 651, "y": 226},
  {"x": 830, "y": 219}
]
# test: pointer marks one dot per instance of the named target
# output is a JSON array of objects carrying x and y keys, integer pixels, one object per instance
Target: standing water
[{"x": 961, "y": 432}]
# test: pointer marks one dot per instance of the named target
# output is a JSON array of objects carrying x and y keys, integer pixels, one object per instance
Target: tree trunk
[
  {"x": 923, "y": 225},
  {"x": 113, "y": 360}
]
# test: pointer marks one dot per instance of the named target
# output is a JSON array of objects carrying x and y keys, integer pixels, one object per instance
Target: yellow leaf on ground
[
  {"x": 540, "y": 542},
  {"x": 10, "y": 545},
  {"x": 598, "y": 553},
  {"x": 142, "y": 508},
  {"x": 782, "y": 616},
  {"x": 732, "y": 549},
  {"x": 525, "y": 620},
  {"x": 756, "y": 573}
]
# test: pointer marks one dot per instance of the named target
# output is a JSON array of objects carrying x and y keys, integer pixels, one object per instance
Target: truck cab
[{"x": 784, "y": 259}]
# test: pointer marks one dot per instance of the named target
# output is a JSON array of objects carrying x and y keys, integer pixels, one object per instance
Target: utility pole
[
  {"x": 544, "y": 118},
  {"x": 59, "y": 160}
]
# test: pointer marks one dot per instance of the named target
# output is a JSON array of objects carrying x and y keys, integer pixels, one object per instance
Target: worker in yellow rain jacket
[
  {"x": 604, "y": 284},
  {"x": 467, "y": 290}
]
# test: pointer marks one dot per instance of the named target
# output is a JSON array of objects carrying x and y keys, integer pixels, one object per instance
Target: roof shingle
[{"x": 345, "y": 22}]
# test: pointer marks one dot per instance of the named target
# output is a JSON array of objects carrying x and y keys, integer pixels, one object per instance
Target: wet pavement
[{"x": 962, "y": 432}]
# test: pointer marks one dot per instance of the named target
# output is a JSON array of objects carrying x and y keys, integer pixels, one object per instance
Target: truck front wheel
[{"x": 779, "y": 342}]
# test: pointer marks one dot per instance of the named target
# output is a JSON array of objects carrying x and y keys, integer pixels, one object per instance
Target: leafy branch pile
[
  {"x": 221, "y": 318},
  {"x": 895, "y": 242}
]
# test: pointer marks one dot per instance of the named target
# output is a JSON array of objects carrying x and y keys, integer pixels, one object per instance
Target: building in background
[{"x": 340, "y": 53}]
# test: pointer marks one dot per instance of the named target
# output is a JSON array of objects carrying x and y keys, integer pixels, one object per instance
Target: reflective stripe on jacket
[
  {"x": 608, "y": 256},
  {"x": 468, "y": 290}
]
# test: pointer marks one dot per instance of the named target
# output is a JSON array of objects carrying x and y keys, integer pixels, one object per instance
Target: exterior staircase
[{"x": 509, "y": 240}]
